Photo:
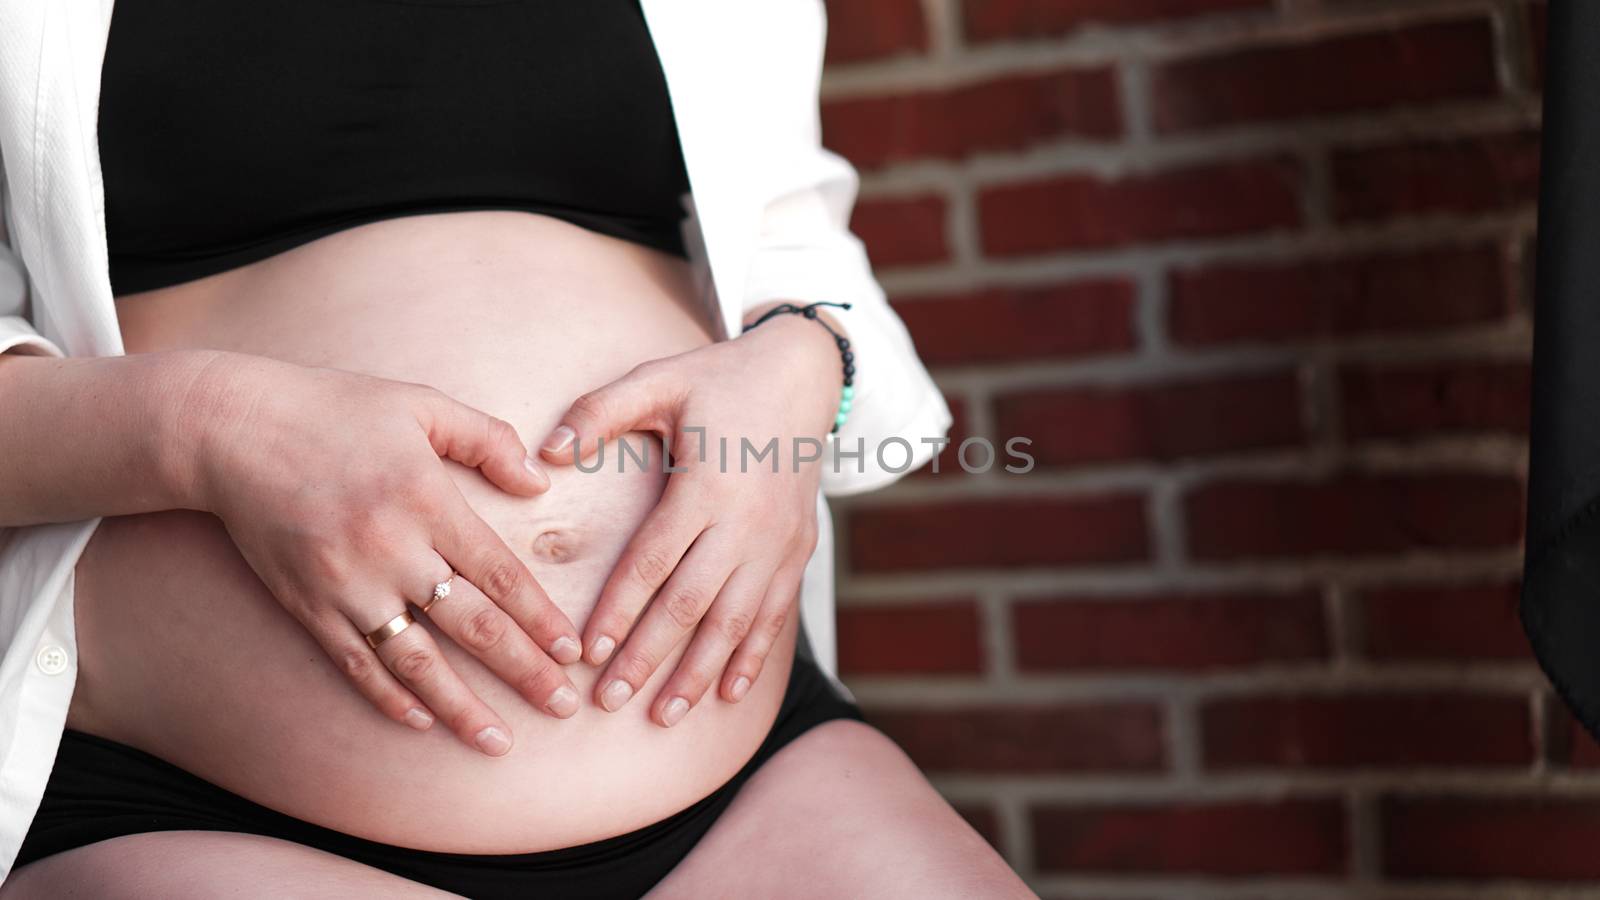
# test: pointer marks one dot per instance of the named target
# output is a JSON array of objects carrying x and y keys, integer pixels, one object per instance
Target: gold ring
[
  {"x": 389, "y": 629},
  {"x": 440, "y": 591}
]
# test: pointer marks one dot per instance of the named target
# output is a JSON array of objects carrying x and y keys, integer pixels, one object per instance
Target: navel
[{"x": 558, "y": 545}]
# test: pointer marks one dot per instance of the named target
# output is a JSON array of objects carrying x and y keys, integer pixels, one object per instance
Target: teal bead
[
  {"x": 848, "y": 393},
  {"x": 844, "y": 406},
  {"x": 839, "y": 419}
]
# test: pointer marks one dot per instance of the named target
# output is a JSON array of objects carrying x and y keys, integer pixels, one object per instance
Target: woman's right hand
[{"x": 332, "y": 485}]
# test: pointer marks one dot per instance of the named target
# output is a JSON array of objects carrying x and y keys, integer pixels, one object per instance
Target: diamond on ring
[{"x": 440, "y": 591}]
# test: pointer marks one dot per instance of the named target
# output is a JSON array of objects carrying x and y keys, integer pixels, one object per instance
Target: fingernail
[
  {"x": 419, "y": 719},
  {"x": 559, "y": 439},
  {"x": 601, "y": 649},
  {"x": 563, "y": 702},
  {"x": 739, "y": 686},
  {"x": 493, "y": 741},
  {"x": 565, "y": 650},
  {"x": 674, "y": 711},
  {"x": 616, "y": 694},
  {"x": 536, "y": 470}
]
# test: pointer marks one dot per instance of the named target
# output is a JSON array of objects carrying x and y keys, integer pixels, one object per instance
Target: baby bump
[{"x": 185, "y": 654}]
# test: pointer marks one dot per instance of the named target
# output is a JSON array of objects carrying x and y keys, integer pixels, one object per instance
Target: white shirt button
[{"x": 52, "y": 659}]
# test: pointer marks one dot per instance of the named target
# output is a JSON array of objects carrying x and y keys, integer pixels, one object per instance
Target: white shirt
[{"x": 768, "y": 222}]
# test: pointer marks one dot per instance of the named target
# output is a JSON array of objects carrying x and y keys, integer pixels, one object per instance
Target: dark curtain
[{"x": 1561, "y": 575}]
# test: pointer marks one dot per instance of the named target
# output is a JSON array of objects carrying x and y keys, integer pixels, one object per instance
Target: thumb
[
  {"x": 481, "y": 441},
  {"x": 632, "y": 403}
]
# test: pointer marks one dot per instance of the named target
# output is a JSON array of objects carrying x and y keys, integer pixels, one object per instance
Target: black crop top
[{"x": 231, "y": 130}]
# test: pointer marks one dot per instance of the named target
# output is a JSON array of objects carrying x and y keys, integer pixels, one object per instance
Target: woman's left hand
[{"x": 723, "y": 552}]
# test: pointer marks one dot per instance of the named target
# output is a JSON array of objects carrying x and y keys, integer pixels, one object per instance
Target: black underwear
[{"x": 101, "y": 789}]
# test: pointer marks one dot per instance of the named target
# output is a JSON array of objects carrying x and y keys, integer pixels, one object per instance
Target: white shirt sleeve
[
  {"x": 17, "y": 334},
  {"x": 805, "y": 252}
]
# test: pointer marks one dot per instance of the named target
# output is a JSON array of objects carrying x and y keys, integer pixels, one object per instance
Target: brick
[
  {"x": 1522, "y": 274},
  {"x": 1570, "y": 744},
  {"x": 1075, "y": 212},
  {"x": 939, "y": 638},
  {"x": 1203, "y": 417},
  {"x": 1007, "y": 113},
  {"x": 1351, "y": 297},
  {"x": 1168, "y": 632},
  {"x": 1536, "y": 39},
  {"x": 1532, "y": 838},
  {"x": 1459, "y": 176},
  {"x": 1444, "y": 398},
  {"x": 997, "y": 20},
  {"x": 983, "y": 819},
  {"x": 1011, "y": 324},
  {"x": 1292, "y": 837},
  {"x": 1442, "y": 622},
  {"x": 1113, "y": 737},
  {"x": 1366, "y": 730},
  {"x": 1584, "y": 752},
  {"x": 1407, "y": 66},
  {"x": 1348, "y": 297},
  {"x": 902, "y": 230},
  {"x": 1353, "y": 515},
  {"x": 1040, "y": 531},
  {"x": 859, "y": 31}
]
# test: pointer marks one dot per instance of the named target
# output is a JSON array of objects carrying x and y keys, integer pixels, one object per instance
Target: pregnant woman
[{"x": 290, "y": 609}]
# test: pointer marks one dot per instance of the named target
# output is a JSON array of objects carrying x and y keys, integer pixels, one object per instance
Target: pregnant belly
[{"x": 185, "y": 654}]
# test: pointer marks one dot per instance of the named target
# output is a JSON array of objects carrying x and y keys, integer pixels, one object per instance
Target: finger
[
  {"x": 677, "y": 609},
  {"x": 745, "y": 667},
  {"x": 480, "y": 441},
  {"x": 644, "y": 566},
  {"x": 356, "y": 660},
  {"x": 414, "y": 658},
  {"x": 478, "y": 554},
  {"x": 633, "y": 402},
  {"x": 469, "y": 619},
  {"x": 724, "y": 627}
]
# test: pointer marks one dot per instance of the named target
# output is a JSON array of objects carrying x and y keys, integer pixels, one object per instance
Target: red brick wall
[{"x": 1254, "y": 275}]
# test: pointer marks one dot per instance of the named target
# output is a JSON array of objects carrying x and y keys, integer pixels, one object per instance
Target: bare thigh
[
  {"x": 203, "y": 865},
  {"x": 841, "y": 812}
]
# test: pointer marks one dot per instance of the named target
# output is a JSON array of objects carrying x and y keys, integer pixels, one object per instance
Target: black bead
[
  {"x": 849, "y": 370},
  {"x": 848, "y": 381},
  {"x": 844, "y": 344},
  {"x": 848, "y": 356},
  {"x": 810, "y": 312}
]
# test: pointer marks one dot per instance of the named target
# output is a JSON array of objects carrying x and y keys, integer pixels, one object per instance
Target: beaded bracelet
[{"x": 846, "y": 393}]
